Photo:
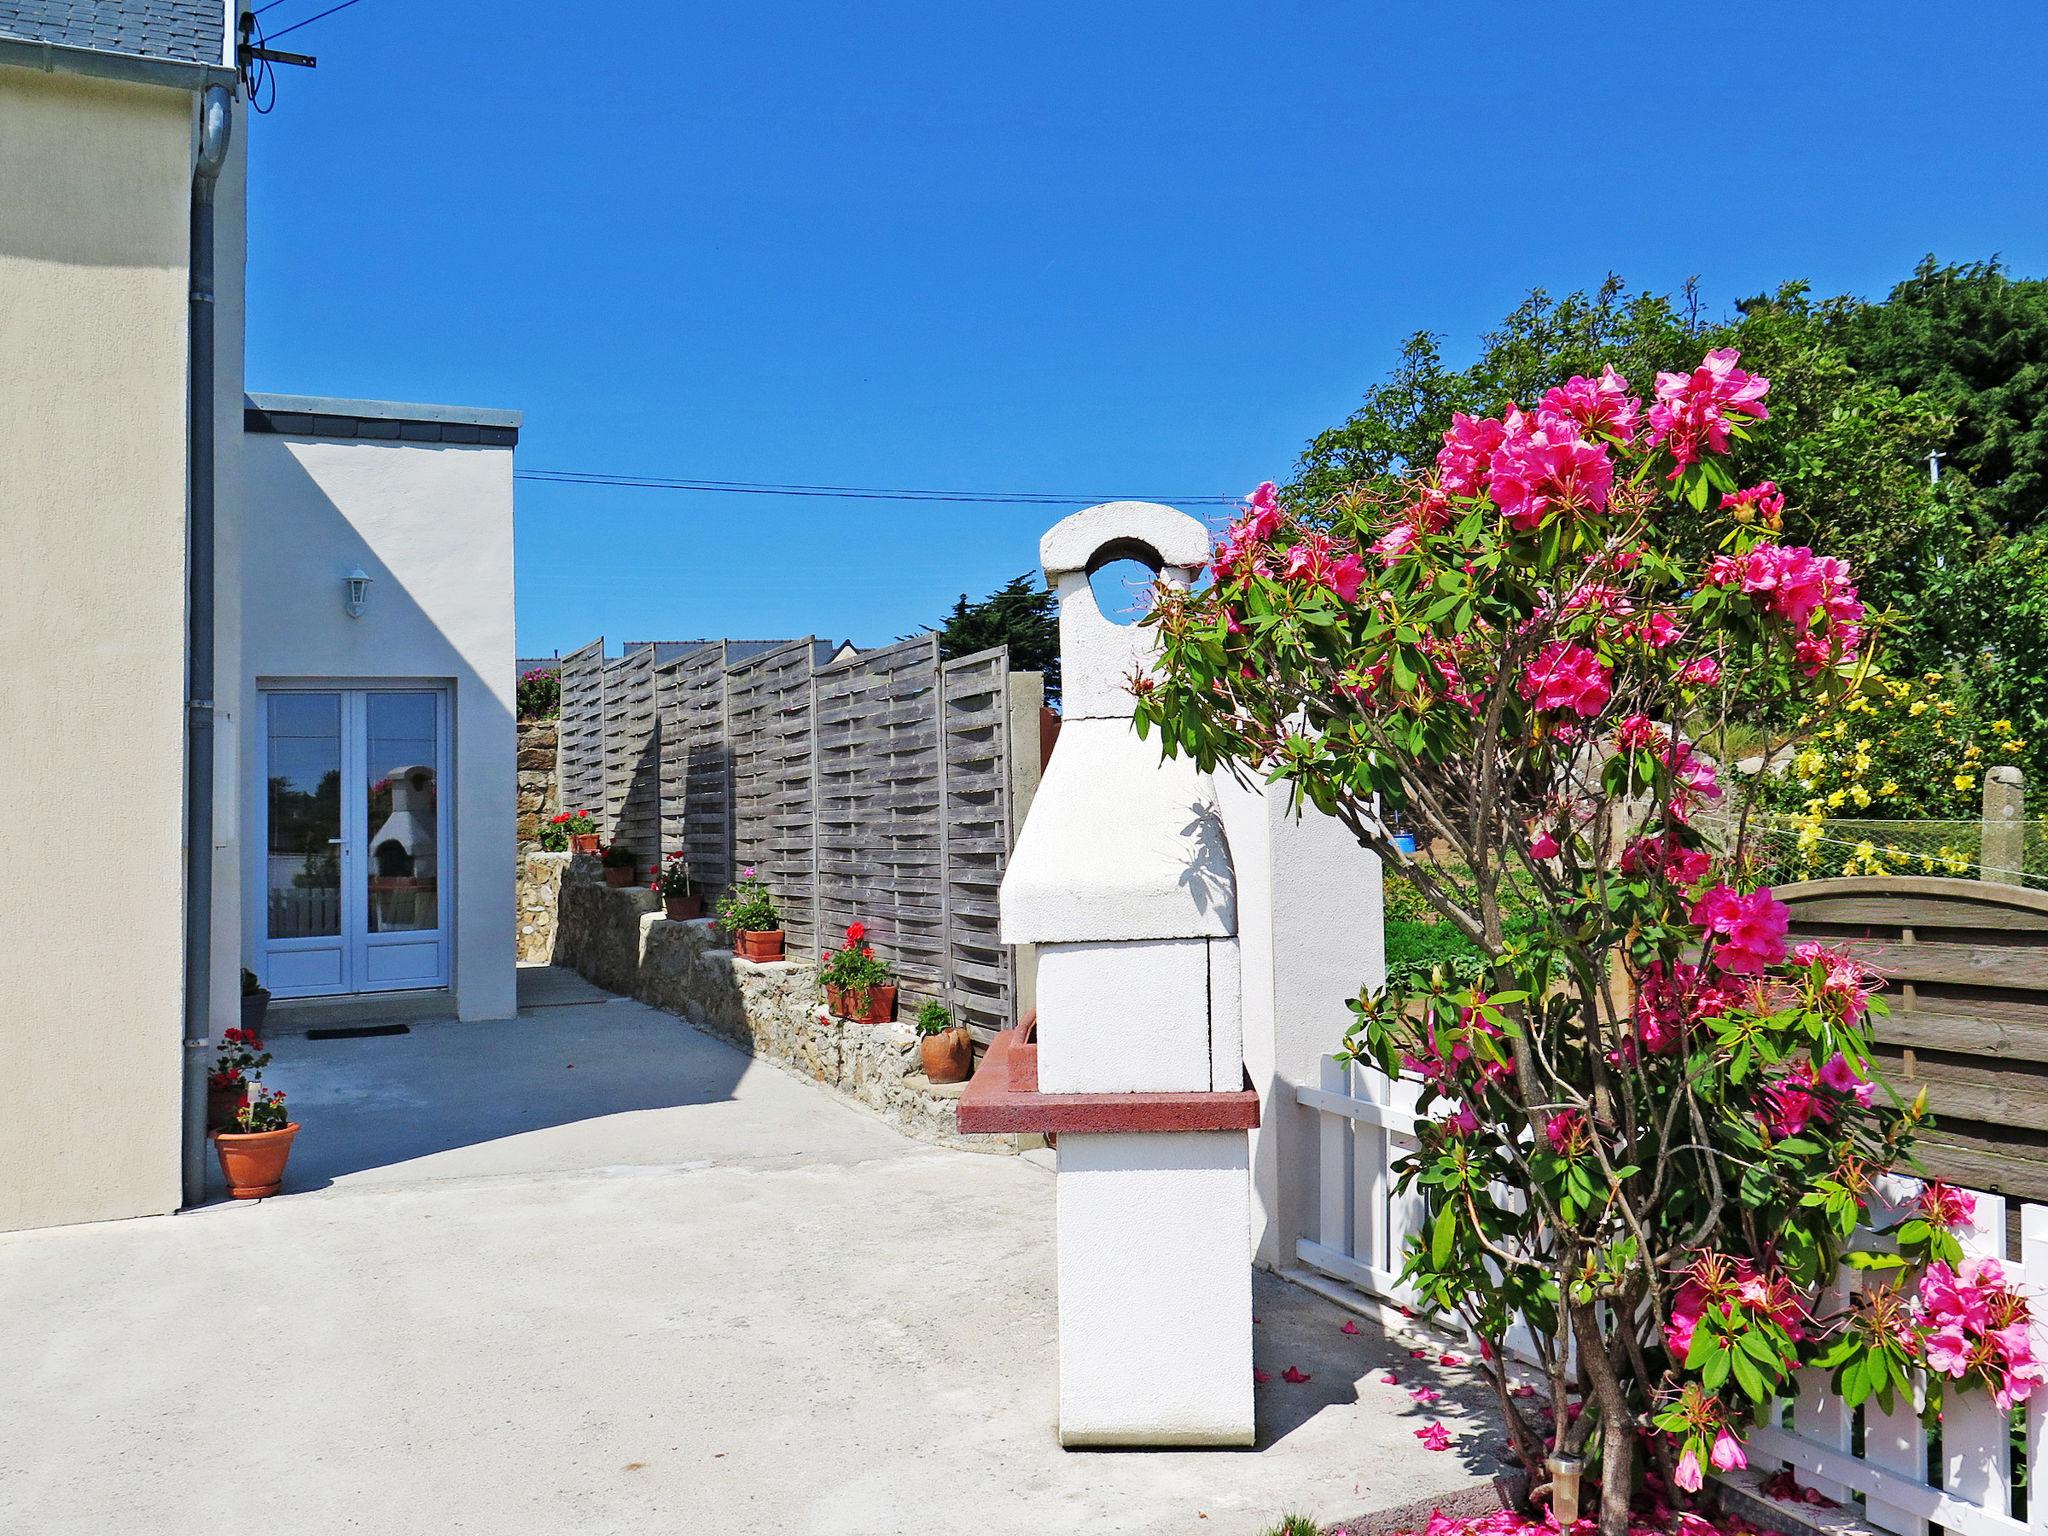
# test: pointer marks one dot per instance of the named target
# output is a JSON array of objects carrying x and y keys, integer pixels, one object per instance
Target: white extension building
[{"x": 377, "y": 737}]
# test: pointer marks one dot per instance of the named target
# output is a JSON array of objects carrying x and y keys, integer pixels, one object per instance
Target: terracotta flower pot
[
  {"x": 835, "y": 1000},
  {"x": 583, "y": 842},
  {"x": 253, "y": 1161},
  {"x": 948, "y": 1056},
  {"x": 681, "y": 909},
  {"x": 222, "y": 1100},
  {"x": 762, "y": 946},
  {"x": 616, "y": 875},
  {"x": 877, "y": 1007}
]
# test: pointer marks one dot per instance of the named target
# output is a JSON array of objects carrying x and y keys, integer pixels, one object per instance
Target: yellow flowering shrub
[{"x": 1894, "y": 787}]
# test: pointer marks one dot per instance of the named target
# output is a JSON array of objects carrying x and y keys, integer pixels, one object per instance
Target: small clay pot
[
  {"x": 948, "y": 1056},
  {"x": 253, "y": 1161},
  {"x": 878, "y": 1007},
  {"x": 835, "y": 1000},
  {"x": 616, "y": 875},
  {"x": 583, "y": 842},
  {"x": 222, "y": 1100},
  {"x": 254, "y": 1006},
  {"x": 762, "y": 946},
  {"x": 680, "y": 909}
]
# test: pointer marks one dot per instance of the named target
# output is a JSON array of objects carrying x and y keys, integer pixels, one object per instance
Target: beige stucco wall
[{"x": 93, "y": 206}]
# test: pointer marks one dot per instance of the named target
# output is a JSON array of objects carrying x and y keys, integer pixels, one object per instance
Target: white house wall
[{"x": 432, "y": 525}]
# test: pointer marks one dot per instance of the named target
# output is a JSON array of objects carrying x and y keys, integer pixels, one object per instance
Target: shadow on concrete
[
  {"x": 1299, "y": 1330},
  {"x": 574, "y": 1054}
]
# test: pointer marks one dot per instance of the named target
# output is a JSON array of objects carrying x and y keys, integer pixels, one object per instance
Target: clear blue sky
[{"x": 1091, "y": 248}]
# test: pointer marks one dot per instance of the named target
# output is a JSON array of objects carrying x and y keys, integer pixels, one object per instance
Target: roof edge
[
  {"x": 384, "y": 410},
  {"x": 100, "y": 64},
  {"x": 320, "y": 416}
]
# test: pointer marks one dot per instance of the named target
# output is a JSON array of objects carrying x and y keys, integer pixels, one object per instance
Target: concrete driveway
[{"x": 591, "y": 1271}]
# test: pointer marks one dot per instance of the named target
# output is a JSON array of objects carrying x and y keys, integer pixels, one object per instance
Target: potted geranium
[
  {"x": 253, "y": 1154},
  {"x": 945, "y": 1048},
  {"x": 621, "y": 865},
  {"x": 578, "y": 829},
  {"x": 672, "y": 883},
  {"x": 255, "y": 1002},
  {"x": 858, "y": 986},
  {"x": 240, "y": 1058},
  {"x": 747, "y": 913}
]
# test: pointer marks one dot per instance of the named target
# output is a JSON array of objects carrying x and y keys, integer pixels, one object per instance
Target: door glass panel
[
  {"x": 304, "y": 862},
  {"x": 400, "y": 749}
]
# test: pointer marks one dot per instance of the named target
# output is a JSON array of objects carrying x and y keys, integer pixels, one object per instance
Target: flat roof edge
[
  {"x": 383, "y": 410},
  {"x": 100, "y": 64}
]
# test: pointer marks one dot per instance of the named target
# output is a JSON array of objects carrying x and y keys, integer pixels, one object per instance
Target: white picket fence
[{"x": 1898, "y": 1473}]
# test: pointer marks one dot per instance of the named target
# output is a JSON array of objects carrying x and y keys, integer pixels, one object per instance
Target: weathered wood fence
[
  {"x": 875, "y": 787},
  {"x": 1966, "y": 968}
]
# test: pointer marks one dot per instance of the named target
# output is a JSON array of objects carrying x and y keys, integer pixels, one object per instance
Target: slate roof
[{"x": 180, "y": 31}]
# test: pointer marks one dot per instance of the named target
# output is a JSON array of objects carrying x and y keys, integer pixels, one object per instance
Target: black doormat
[{"x": 359, "y": 1032}]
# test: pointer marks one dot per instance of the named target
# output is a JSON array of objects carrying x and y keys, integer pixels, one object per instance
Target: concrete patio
[{"x": 591, "y": 1271}]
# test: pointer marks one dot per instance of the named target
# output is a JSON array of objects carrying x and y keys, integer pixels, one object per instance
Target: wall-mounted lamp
[{"x": 357, "y": 584}]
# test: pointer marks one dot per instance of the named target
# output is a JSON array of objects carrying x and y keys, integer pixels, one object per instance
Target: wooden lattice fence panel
[
  {"x": 879, "y": 793},
  {"x": 580, "y": 743},
  {"x": 632, "y": 765},
  {"x": 696, "y": 785},
  {"x": 768, "y": 707},
  {"x": 975, "y": 821}
]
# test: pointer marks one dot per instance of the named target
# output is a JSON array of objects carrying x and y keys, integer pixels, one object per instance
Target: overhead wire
[{"x": 843, "y": 492}]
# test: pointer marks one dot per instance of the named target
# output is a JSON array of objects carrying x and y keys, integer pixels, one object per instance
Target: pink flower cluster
[
  {"x": 1315, "y": 560},
  {"x": 1566, "y": 1132},
  {"x": 1974, "y": 1323},
  {"x": 1698, "y": 410},
  {"x": 1535, "y": 463},
  {"x": 1568, "y": 676},
  {"x": 1762, "y": 501},
  {"x": 1796, "y": 1099},
  {"x": 1943, "y": 1205},
  {"x": 1750, "y": 926},
  {"x": 1694, "y": 780},
  {"x": 1731, "y": 1283},
  {"x": 1794, "y": 583},
  {"x": 1601, "y": 407},
  {"x": 1244, "y": 545},
  {"x": 1844, "y": 981},
  {"x": 1684, "y": 867},
  {"x": 1671, "y": 999}
]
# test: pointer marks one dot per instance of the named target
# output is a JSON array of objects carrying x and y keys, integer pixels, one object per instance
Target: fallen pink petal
[
  {"x": 1434, "y": 1436},
  {"x": 1261, "y": 1377},
  {"x": 1349, "y": 1327},
  {"x": 1424, "y": 1394},
  {"x": 1390, "y": 1379},
  {"x": 1295, "y": 1375}
]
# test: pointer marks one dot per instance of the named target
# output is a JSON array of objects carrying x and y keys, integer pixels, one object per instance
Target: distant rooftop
[{"x": 171, "y": 31}]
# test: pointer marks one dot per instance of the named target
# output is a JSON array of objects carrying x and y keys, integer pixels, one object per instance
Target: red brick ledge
[{"x": 1003, "y": 1097}]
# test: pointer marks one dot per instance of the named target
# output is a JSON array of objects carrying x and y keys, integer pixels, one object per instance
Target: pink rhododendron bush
[{"x": 1650, "y": 1132}]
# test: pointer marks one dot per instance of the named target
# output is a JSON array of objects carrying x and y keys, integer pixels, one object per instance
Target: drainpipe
[{"x": 215, "y": 122}]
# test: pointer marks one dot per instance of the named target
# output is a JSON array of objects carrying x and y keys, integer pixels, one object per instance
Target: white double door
[{"x": 354, "y": 837}]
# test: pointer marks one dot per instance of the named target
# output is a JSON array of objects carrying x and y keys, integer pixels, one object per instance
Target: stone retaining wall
[
  {"x": 539, "y": 899},
  {"x": 618, "y": 939},
  {"x": 539, "y": 796}
]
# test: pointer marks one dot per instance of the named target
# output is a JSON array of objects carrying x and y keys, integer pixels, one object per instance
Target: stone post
[
  {"x": 1122, "y": 878},
  {"x": 2005, "y": 826}
]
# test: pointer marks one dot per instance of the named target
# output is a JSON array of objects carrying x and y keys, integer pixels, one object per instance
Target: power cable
[
  {"x": 319, "y": 16},
  {"x": 843, "y": 492}
]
